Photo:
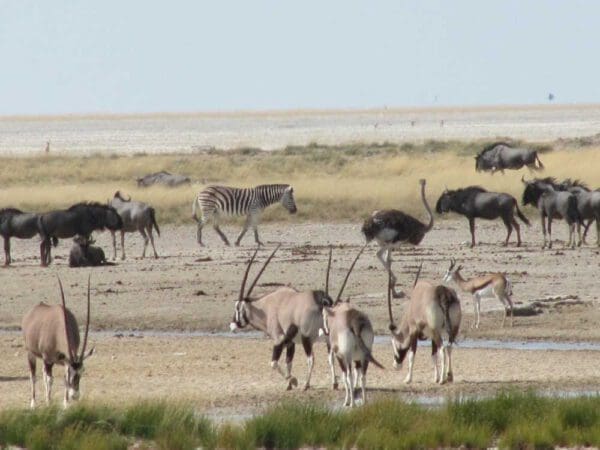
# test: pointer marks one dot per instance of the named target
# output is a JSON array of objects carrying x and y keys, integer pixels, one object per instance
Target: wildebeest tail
[
  {"x": 573, "y": 215},
  {"x": 446, "y": 297},
  {"x": 539, "y": 161},
  {"x": 520, "y": 214},
  {"x": 44, "y": 233},
  {"x": 153, "y": 218},
  {"x": 357, "y": 330}
]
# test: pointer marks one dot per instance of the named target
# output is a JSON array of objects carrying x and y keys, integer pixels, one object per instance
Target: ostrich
[{"x": 391, "y": 228}]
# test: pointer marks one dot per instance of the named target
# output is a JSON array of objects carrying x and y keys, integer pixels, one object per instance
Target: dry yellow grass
[{"x": 330, "y": 184}]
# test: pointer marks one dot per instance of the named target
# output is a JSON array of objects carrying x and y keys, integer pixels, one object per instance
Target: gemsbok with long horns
[
  {"x": 491, "y": 285},
  {"x": 52, "y": 334},
  {"x": 351, "y": 339},
  {"x": 288, "y": 316},
  {"x": 432, "y": 310}
]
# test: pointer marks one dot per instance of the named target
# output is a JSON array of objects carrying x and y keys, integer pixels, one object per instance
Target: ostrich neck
[{"x": 430, "y": 224}]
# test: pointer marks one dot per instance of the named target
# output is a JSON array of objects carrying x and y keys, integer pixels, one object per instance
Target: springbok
[
  {"x": 287, "y": 316},
  {"x": 351, "y": 339},
  {"x": 491, "y": 285},
  {"x": 52, "y": 334},
  {"x": 432, "y": 309}
]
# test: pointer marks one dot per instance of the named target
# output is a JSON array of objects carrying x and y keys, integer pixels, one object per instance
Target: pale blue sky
[{"x": 147, "y": 56}]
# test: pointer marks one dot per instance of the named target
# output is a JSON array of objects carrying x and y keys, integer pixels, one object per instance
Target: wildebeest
[
  {"x": 588, "y": 206},
  {"x": 16, "y": 223},
  {"x": 136, "y": 216},
  {"x": 84, "y": 254},
  {"x": 501, "y": 155},
  {"x": 552, "y": 204},
  {"x": 82, "y": 219},
  {"x": 162, "y": 177},
  {"x": 475, "y": 202}
]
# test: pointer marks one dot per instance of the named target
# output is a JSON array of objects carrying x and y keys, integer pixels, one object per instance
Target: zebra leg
[
  {"x": 199, "y": 226},
  {"x": 256, "y": 239},
  {"x": 244, "y": 229}
]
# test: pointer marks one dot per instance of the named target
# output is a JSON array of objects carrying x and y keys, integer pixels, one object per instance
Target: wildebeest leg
[
  {"x": 145, "y": 236},
  {"x": 472, "y": 228},
  {"x": 310, "y": 359},
  {"x": 517, "y": 227},
  {"x": 244, "y": 229},
  {"x": 550, "y": 232},
  {"x": 288, "y": 337},
  {"x": 31, "y": 360},
  {"x": 113, "y": 234},
  {"x": 123, "y": 245},
  {"x": 598, "y": 232},
  {"x": 152, "y": 241},
  {"x": 48, "y": 380},
  {"x": 544, "y": 230},
  {"x": 586, "y": 229},
  {"x": 7, "y": 259},
  {"x": 508, "y": 225}
]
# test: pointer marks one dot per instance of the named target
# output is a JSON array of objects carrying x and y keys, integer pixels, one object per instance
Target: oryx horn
[
  {"x": 328, "y": 269},
  {"x": 348, "y": 274},
  {"x": 392, "y": 326},
  {"x": 246, "y": 274},
  {"x": 87, "y": 321},
  {"x": 261, "y": 270},
  {"x": 418, "y": 274},
  {"x": 62, "y": 295}
]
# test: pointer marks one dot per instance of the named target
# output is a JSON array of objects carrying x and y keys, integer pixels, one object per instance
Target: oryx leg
[
  {"x": 31, "y": 359},
  {"x": 411, "y": 359},
  {"x": 287, "y": 339},
  {"x": 363, "y": 380},
  {"x": 48, "y": 381},
  {"x": 290, "y": 350},
  {"x": 152, "y": 241},
  {"x": 310, "y": 358},
  {"x": 330, "y": 360},
  {"x": 123, "y": 245},
  {"x": 449, "y": 374},
  {"x": 145, "y": 236},
  {"x": 472, "y": 229},
  {"x": 346, "y": 367},
  {"x": 434, "y": 360},
  {"x": 387, "y": 263}
]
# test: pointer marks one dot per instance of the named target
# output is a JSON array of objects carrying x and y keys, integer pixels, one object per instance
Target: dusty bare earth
[{"x": 192, "y": 289}]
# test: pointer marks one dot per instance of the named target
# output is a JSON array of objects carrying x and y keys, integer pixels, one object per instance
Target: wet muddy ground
[{"x": 192, "y": 289}]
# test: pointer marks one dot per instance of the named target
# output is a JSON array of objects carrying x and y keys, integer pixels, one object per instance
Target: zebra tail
[
  {"x": 194, "y": 206},
  {"x": 153, "y": 218}
]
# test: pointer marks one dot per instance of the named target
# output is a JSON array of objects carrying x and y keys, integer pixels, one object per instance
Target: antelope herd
[{"x": 289, "y": 316}]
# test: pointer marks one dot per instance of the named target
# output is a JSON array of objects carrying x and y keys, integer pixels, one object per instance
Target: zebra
[{"x": 215, "y": 201}]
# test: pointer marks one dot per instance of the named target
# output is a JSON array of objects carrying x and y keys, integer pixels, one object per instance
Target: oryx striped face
[
  {"x": 239, "y": 319},
  {"x": 72, "y": 378},
  {"x": 287, "y": 200}
]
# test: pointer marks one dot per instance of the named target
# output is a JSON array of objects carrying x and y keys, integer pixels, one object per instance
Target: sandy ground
[
  {"x": 273, "y": 130},
  {"x": 191, "y": 288}
]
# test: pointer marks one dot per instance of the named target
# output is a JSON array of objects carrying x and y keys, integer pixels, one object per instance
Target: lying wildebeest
[
  {"x": 16, "y": 223},
  {"x": 163, "y": 177},
  {"x": 84, "y": 254},
  {"x": 81, "y": 218},
  {"x": 552, "y": 204},
  {"x": 501, "y": 155},
  {"x": 136, "y": 216},
  {"x": 475, "y": 202}
]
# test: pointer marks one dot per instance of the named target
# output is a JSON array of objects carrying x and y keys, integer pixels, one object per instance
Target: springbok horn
[
  {"x": 348, "y": 274},
  {"x": 246, "y": 274},
  {"x": 418, "y": 274},
  {"x": 328, "y": 268},
  {"x": 87, "y": 321},
  {"x": 262, "y": 270},
  {"x": 452, "y": 263},
  {"x": 389, "y": 298},
  {"x": 62, "y": 295}
]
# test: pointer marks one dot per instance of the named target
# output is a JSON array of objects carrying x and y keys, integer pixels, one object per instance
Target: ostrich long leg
[{"x": 387, "y": 264}]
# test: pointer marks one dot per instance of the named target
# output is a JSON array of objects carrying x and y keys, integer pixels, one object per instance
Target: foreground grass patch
[
  {"x": 331, "y": 183},
  {"x": 509, "y": 420}
]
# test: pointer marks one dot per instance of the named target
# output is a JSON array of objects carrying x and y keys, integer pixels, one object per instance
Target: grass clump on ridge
[
  {"x": 509, "y": 420},
  {"x": 343, "y": 183}
]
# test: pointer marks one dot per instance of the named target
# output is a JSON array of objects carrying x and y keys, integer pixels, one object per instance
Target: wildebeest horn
[
  {"x": 328, "y": 268},
  {"x": 246, "y": 274},
  {"x": 62, "y": 295},
  {"x": 262, "y": 270},
  {"x": 87, "y": 321},
  {"x": 348, "y": 274}
]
